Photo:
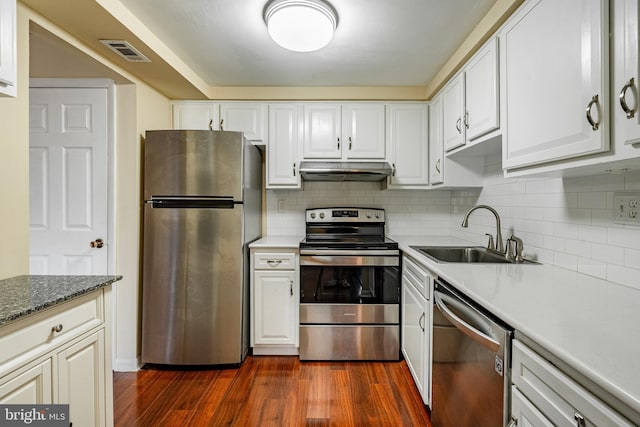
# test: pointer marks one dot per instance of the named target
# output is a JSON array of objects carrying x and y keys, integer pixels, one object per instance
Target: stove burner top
[{"x": 346, "y": 229}]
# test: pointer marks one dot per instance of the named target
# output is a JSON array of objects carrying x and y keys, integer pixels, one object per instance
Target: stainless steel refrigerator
[{"x": 202, "y": 207}]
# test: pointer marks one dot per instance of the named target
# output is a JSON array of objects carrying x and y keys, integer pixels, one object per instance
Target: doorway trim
[{"x": 109, "y": 85}]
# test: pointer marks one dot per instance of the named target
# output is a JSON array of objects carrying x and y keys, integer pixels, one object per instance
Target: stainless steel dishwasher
[{"x": 471, "y": 359}]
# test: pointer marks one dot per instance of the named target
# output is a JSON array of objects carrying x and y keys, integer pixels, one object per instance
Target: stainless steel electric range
[{"x": 349, "y": 286}]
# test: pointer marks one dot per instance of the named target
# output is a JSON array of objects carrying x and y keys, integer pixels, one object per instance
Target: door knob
[{"x": 98, "y": 243}]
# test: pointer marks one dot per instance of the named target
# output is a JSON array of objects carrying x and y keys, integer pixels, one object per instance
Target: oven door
[
  {"x": 349, "y": 277},
  {"x": 349, "y": 305}
]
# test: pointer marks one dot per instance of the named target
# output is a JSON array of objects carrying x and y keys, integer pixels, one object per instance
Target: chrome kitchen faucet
[{"x": 499, "y": 246}]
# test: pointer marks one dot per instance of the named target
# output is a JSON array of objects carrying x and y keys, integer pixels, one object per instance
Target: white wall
[{"x": 562, "y": 222}]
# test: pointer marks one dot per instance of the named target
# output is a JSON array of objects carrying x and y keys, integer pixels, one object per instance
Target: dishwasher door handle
[{"x": 466, "y": 328}]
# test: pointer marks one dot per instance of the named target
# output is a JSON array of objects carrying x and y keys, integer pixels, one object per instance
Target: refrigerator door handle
[{"x": 192, "y": 202}]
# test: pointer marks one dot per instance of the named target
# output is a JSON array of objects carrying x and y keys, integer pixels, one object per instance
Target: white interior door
[{"x": 68, "y": 180}]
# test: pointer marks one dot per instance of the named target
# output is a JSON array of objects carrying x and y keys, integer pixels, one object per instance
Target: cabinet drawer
[
  {"x": 417, "y": 276},
  {"x": 274, "y": 261},
  {"x": 38, "y": 331},
  {"x": 557, "y": 396}
]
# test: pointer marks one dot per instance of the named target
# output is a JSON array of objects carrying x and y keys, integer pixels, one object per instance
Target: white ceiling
[{"x": 377, "y": 42}]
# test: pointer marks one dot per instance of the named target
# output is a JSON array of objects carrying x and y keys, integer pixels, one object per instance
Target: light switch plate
[{"x": 626, "y": 208}]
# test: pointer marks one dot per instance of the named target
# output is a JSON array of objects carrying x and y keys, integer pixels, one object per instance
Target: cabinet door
[
  {"x": 524, "y": 413},
  {"x": 481, "y": 92},
  {"x": 283, "y": 148},
  {"x": 81, "y": 380},
  {"x": 30, "y": 387},
  {"x": 453, "y": 113},
  {"x": 415, "y": 321},
  {"x": 436, "y": 152},
  {"x": 363, "y": 131},
  {"x": 8, "y": 47},
  {"x": 250, "y": 118},
  {"x": 195, "y": 115},
  {"x": 553, "y": 63},
  {"x": 408, "y": 145},
  {"x": 275, "y": 307},
  {"x": 322, "y": 127},
  {"x": 626, "y": 71}
]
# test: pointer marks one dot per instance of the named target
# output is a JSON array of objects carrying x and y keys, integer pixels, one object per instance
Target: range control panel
[{"x": 344, "y": 215}]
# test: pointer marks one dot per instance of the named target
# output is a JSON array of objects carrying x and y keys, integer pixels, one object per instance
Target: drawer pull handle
[
  {"x": 420, "y": 322},
  {"x": 291, "y": 287},
  {"x": 57, "y": 328},
  {"x": 579, "y": 420},
  {"x": 274, "y": 262}
]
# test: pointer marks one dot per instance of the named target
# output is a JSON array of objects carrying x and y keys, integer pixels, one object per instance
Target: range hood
[{"x": 345, "y": 171}]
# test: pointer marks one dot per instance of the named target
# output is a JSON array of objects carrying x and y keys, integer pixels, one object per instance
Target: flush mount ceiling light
[{"x": 300, "y": 25}]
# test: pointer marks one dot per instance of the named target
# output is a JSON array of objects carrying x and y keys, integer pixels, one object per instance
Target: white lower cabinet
[
  {"x": 274, "y": 302},
  {"x": 81, "y": 382},
  {"x": 542, "y": 395},
  {"x": 416, "y": 325},
  {"x": 61, "y": 356},
  {"x": 31, "y": 386},
  {"x": 524, "y": 414}
]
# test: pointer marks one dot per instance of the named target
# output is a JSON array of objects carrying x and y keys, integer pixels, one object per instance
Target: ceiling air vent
[{"x": 125, "y": 50}]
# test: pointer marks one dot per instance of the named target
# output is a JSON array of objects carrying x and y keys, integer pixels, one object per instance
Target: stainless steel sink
[{"x": 465, "y": 254}]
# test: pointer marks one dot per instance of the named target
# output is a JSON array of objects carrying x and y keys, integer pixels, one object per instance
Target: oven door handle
[{"x": 463, "y": 326}]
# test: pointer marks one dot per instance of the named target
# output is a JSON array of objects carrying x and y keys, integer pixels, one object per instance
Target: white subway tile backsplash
[
  {"x": 626, "y": 237},
  {"x": 592, "y": 233},
  {"x": 594, "y": 200},
  {"x": 566, "y": 260},
  {"x": 608, "y": 183},
  {"x": 578, "y": 247},
  {"x": 624, "y": 275},
  {"x": 592, "y": 267},
  {"x": 632, "y": 258},
  {"x": 607, "y": 253},
  {"x": 565, "y": 222}
]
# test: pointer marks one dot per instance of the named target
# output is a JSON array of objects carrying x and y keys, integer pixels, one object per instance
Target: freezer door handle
[{"x": 192, "y": 202}]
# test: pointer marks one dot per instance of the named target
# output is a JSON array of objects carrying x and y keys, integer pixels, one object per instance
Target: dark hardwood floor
[{"x": 271, "y": 391}]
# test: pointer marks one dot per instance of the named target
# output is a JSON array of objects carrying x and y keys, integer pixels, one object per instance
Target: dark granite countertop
[{"x": 24, "y": 295}]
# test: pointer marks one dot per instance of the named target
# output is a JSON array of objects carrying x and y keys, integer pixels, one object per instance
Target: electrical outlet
[{"x": 625, "y": 209}]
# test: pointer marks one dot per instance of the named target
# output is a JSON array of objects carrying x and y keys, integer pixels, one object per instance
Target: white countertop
[
  {"x": 284, "y": 242},
  {"x": 588, "y": 323}
]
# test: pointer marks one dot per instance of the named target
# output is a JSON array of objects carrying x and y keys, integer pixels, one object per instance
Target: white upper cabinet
[
  {"x": 195, "y": 115},
  {"x": 322, "y": 131},
  {"x": 481, "y": 92},
  {"x": 554, "y": 76},
  {"x": 8, "y": 48},
  {"x": 470, "y": 100},
  {"x": 407, "y": 139},
  {"x": 453, "y": 114},
  {"x": 335, "y": 131},
  {"x": 436, "y": 152},
  {"x": 248, "y": 117},
  {"x": 363, "y": 131},
  {"x": 285, "y": 136},
  {"x": 626, "y": 79}
]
